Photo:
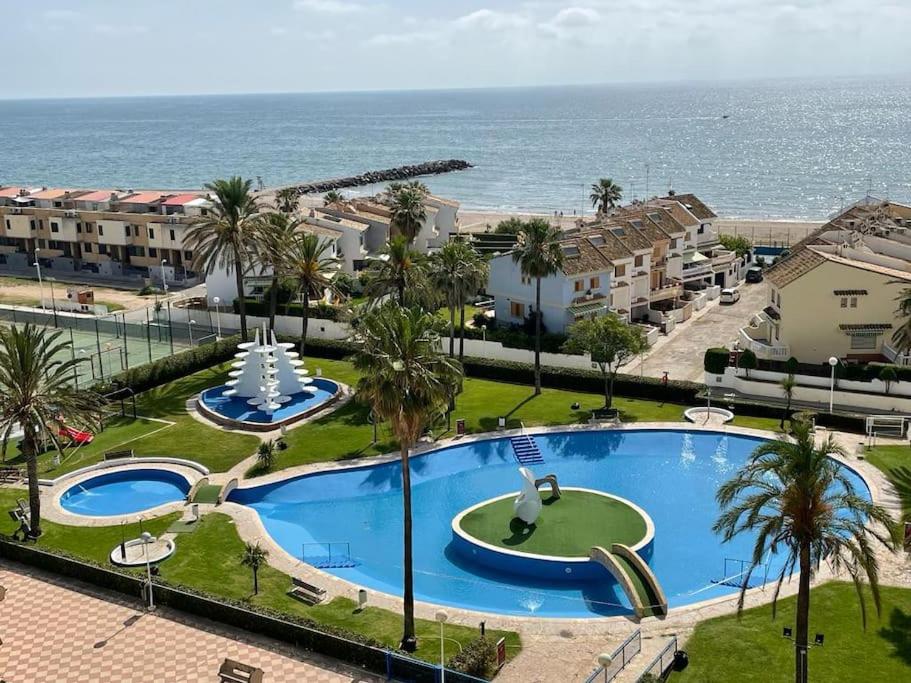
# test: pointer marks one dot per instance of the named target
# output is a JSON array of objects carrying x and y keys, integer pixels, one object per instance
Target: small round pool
[
  {"x": 124, "y": 492},
  {"x": 235, "y": 409}
]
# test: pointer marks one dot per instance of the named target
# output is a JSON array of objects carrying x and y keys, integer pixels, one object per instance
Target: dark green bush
[
  {"x": 747, "y": 361},
  {"x": 792, "y": 365},
  {"x": 321, "y": 310},
  {"x": 716, "y": 360},
  {"x": 476, "y": 659}
]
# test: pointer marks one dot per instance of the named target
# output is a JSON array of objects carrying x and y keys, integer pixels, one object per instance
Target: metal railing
[
  {"x": 619, "y": 659},
  {"x": 661, "y": 663}
]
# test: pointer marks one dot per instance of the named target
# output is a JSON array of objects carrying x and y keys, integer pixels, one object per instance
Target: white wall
[{"x": 317, "y": 327}]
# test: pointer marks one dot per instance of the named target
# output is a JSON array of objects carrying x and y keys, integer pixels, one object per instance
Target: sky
[{"x": 148, "y": 47}]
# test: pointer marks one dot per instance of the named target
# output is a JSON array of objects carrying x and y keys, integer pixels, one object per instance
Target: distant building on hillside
[{"x": 835, "y": 294}]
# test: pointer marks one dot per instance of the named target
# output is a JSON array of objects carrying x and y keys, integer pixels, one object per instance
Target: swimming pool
[
  {"x": 672, "y": 474},
  {"x": 237, "y": 409},
  {"x": 124, "y": 492}
]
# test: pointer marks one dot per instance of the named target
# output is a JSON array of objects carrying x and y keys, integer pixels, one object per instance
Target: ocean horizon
[{"x": 789, "y": 149}]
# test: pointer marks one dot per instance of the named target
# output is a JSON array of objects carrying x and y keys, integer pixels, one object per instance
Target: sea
[{"x": 794, "y": 149}]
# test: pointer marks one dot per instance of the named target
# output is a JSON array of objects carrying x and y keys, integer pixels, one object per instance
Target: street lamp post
[
  {"x": 37, "y": 265},
  {"x": 442, "y": 617},
  {"x": 216, "y": 300},
  {"x": 53, "y": 300},
  {"x": 147, "y": 539},
  {"x": 190, "y": 324},
  {"x": 164, "y": 281},
  {"x": 484, "y": 333},
  {"x": 833, "y": 361}
]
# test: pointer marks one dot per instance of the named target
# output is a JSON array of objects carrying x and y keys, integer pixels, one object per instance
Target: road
[{"x": 681, "y": 352}]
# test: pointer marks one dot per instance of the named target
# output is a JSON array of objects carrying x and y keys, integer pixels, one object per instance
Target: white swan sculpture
[{"x": 527, "y": 505}]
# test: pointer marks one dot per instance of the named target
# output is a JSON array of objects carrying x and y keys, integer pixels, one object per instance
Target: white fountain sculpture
[
  {"x": 527, "y": 505},
  {"x": 266, "y": 374}
]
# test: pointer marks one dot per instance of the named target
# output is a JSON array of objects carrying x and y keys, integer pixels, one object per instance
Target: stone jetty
[{"x": 386, "y": 175}]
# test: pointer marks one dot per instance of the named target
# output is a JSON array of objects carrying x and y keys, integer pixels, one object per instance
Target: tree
[
  {"x": 511, "y": 226},
  {"x": 792, "y": 365},
  {"x": 606, "y": 194},
  {"x": 793, "y": 497},
  {"x": 399, "y": 270},
  {"x": 407, "y": 212},
  {"x": 611, "y": 343},
  {"x": 333, "y": 197},
  {"x": 739, "y": 244},
  {"x": 787, "y": 385},
  {"x": 475, "y": 271},
  {"x": 539, "y": 255},
  {"x": 286, "y": 200},
  {"x": 445, "y": 271},
  {"x": 748, "y": 361},
  {"x": 36, "y": 394},
  {"x": 274, "y": 235},
  {"x": 310, "y": 262},
  {"x": 902, "y": 335},
  {"x": 224, "y": 238},
  {"x": 888, "y": 375},
  {"x": 406, "y": 380},
  {"x": 254, "y": 557},
  {"x": 265, "y": 455}
]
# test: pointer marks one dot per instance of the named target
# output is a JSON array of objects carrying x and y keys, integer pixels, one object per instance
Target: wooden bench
[
  {"x": 10, "y": 475},
  {"x": 117, "y": 455},
  {"x": 306, "y": 592},
  {"x": 236, "y": 672}
]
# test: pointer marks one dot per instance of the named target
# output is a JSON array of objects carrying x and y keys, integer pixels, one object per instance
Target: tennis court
[{"x": 110, "y": 344}]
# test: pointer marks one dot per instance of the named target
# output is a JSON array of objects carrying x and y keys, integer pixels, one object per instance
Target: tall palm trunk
[
  {"x": 34, "y": 494},
  {"x": 305, "y": 320},
  {"x": 451, "y": 328},
  {"x": 401, "y": 288},
  {"x": 802, "y": 630},
  {"x": 242, "y": 303},
  {"x": 461, "y": 327},
  {"x": 255, "y": 581},
  {"x": 537, "y": 336},
  {"x": 273, "y": 302},
  {"x": 409, "y": 643}
]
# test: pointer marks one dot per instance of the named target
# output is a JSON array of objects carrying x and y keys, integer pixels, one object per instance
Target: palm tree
[
  {"x": 407, "y": 381},
  {"x": 274, "y": 234},
  {"x": 254, "y": 557},
  {"x": 902, "y": 335},
  {"x": 286, "y": 200},
  {"x": 445, "y": 271},
  {"x": 310, "y": 262},
  {"x": 605, "y": 194},
  {"x": 224, "y": 237},
  {"x": 333, "y": 197},
  {"x": 787, "y": 385},
  {"x": 36, "y": 394},
  {"x": 399, "y": 270},
  {"x": 797, "y": 499},
  {"x": 407, "y": 212},
  {"x": 539, "y": 255},
  {"x": 475, "y": 270}
]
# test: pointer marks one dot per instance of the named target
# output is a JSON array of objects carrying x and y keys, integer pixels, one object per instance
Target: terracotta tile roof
[
  {"x": 581, "y": 256},
  {"x": 626, "y": 232},
  {"x": 796, "y": 265},
  {"x": 179, "y": 199},
  {"x": 49, "y": 193},
  {"x": 678, "y": 212},
  {"x": 694, "y": 205},
  {"x": 96, "y": 196},
  {"x": 611, "y": 247},
  {"x": 143, "y": 198},
  {"x": 10, "y": 192}
]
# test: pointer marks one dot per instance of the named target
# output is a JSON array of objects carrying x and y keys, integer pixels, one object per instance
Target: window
[
  {"x": 639, "y": 261},
  {"x": 135, "y": 250},
  {"x": 8, "y": 225},
  {"x": 100, "y": 229},
  {"x": 153, "y": 252},
  {"x": 516, "y": 310},
  {"x": 151, "y": 233},
  {"x": 126, "y": 229},
  {"x": 87, "y": 247},
  {"x": 172, "y": 234},
  {"x": 844, "y": 302},
  {"x": 620, "y": 270},
  {"x": 188, "y": 255},
  {"x": 31, "y": 225},
  {"x": 55, "y": 226},
  {"x": 863, "y": 341},
  {"x": 88, "y": 227},
  {"x": 102, "y": 249},
  {"x": 78, "y": 227},
  {"x": 579, "y": 285},
  {"x": 594, "y": 283},
  {"x": 42, "y": 244},
  {"x": 853, "y": 302}
]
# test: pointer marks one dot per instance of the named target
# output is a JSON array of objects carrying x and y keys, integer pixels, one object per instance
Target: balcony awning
[
  {"x": 865, "y": 329},
  {"x": 693, "y": 257},
  {"x": 586, "y": 307}
]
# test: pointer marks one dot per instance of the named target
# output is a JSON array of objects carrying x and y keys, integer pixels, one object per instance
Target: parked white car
[{"x": 730, "y": 296}]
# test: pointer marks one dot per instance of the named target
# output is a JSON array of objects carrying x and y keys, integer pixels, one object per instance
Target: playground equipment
[
  {"x": 77, "y": 436},
  {"x": 527, "y": 505}
]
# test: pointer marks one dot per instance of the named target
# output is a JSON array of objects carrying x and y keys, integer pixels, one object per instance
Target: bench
[
  {"x": 236, "y": 672},
  {"x": 10, "y": 475},
  {"x": 117, "y": 455},
  {"x": 306, "y": 592}
]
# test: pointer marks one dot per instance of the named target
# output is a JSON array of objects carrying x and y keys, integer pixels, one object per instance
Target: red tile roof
[
  {"x": 95, "y": 196},
  {"x": 7, "y": 192},
  {"x": 143, "y": 198},
  {"x": 49, "y": 193},
  {"x": 179, "y": 199}
]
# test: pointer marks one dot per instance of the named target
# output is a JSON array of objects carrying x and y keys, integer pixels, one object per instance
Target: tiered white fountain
[{"x": 266, "y": 373}]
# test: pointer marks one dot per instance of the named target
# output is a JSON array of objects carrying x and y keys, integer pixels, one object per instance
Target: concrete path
[{"x": 53, "y": 631}]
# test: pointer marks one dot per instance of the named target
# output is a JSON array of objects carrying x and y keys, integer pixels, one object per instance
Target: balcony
[
  {"x": 763, "y": 348},
  {"x": 666, "y": 291},
  {"x": 896, "y": 356}
]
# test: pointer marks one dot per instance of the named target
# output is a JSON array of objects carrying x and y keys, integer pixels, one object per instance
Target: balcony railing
[
  {"x": 763, "y": 348},
  {"x": 894, "y": 355},
  {"x": 668, "y": 291}
]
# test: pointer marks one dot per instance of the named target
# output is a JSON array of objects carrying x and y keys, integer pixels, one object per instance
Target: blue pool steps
[{"x": 526, "y": 450}]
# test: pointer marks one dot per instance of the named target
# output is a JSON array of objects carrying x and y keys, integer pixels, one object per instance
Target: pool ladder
[{"x": 526, "y": 450}]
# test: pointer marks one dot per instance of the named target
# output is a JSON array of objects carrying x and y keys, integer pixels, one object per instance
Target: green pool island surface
[{"x": 567, "y": 527}]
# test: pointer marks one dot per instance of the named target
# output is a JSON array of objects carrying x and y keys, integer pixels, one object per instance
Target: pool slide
[{"x": 635, "y": 578}]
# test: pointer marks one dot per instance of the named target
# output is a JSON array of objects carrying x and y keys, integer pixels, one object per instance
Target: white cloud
[
  {"x": 491, "y": 20},
  {"x": 572, "y": 17},
  {"x": 328, "y": 6}
]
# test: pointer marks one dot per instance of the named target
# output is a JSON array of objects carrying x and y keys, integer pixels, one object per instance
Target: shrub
[
  {"x": 792, "y": 365},
  {"x": 480, "y": 319},
  {"x": 748, "y": 361},
  {"x": 348, "y": 285},
  {"x": 476, "y": 658},
  {"x": 716, "y": 360},
  {"x": 265, "y": 455},
  {"x": 148, "y": 290},
  {"x": 319, "y": 310},
  {"x": 888, "y": 375},
  {"x": 736, "y": 243}
]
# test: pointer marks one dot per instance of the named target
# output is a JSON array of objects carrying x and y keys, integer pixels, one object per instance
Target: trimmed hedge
[
  {"x": 319, "y": 311},
  {"x": 476, "y": 659},
  {"x": 716, "y": 360}
]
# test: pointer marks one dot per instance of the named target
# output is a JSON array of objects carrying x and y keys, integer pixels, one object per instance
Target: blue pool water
[
  {"x": 671, "y": 474},
  {"x": 238, "y": 408},
  {"x": 124, "y": 492}
]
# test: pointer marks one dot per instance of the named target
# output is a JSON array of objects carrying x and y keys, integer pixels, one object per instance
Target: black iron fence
[
  {"x": 662, "y": 662},
  {"x": 619, "y": 659}
]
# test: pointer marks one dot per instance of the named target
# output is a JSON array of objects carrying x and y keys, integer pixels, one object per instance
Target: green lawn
[
  {"x": 208, "y": 559},
  {"x": 895, "y": 462},
  {"x": 751, "y": 648},
  {"x": 568, "y": 526}
]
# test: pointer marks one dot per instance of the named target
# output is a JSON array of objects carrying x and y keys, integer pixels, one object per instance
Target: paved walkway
[{"x": 52, "y": 631}]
